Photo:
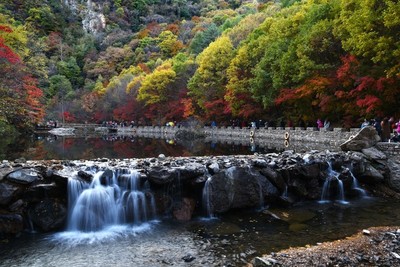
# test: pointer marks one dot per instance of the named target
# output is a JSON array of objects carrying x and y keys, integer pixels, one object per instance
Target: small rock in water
[
  {"x": 161, "y": 156},
  {"x": 20, "y": 160},
  {"x": 188, "y": 258},
  {"x": 397, "y": 256},
  {"x": 366, "y": 232}
]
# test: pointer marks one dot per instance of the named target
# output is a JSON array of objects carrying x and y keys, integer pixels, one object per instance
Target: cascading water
[
  {"x": 356, "y": 187},
  {"x": 206, "y": 198},
  {"x": 332, "y": 176},
  {"x": 113, "y": 197},
  {"x": 285, "y": 192}
]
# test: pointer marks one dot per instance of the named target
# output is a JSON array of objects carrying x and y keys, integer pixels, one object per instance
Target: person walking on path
[
  {"x": 385, "y": 130},
  {"x": 398, "y": 127}
]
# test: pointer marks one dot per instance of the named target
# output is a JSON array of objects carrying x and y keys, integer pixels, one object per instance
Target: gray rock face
[
  {"x": 4, "y": 172},
  {"x": 49, "y": 214},
  {"x": 394, "y": 169},
  {"x": 239, "y": 188},
  {"x": 192, "y": 171},
  {"x": 371, "y": 175},
  {"x": 8, "y": 192},
  {"x": 365, "y": 138},
  {"x": 160, "y": 176},
  {"x": 184, "y": 210},
  {"x": 373, "y": 153},
  {"x": 23, "y": 176},
  {"x": 11, "y": 223}
]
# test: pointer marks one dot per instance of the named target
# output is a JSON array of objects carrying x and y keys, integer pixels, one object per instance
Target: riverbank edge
[{"x": 375, "y": 246}]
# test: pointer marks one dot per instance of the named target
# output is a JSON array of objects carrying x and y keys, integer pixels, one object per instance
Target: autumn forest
[{"x": 153, "y": 61}]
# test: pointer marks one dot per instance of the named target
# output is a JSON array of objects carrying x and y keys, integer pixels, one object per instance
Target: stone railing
[
  {"x": 333, "y": 136},
  {"x": 390, "y": 149}
]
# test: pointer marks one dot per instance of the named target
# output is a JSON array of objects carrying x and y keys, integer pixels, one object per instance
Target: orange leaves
[
  {"x": 6, "y": 52},
  {"x": 369, "y": 102},
  {"x": 188, "y": 107}
]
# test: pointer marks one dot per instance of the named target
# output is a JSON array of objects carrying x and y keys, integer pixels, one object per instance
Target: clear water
[{"x": 231, "y": 240}]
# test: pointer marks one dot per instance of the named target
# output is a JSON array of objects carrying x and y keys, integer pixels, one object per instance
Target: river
[{"x": 231, "y": 239}]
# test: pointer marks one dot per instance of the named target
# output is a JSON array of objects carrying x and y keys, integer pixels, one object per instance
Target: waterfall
[
  {"x": 356, "y": 187},
  {"x": 325, "y": 195},
  {"x": 206, "y": 198},
  {"x": 285, "y": 192},
  {"x": 112, "y": 198}
]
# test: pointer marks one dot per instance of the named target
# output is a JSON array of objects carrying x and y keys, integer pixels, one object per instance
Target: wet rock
[
  {"x": 239, "y": 188},
  {"x": 48, "y": 214},
  {"x": 213, "y": 168},
  {"x": 192, "y": 171},
  {"x": 8, "y": 192},
  {"x": 40, "y": 191},
  {"x": 371, "y": 175},
  {"x": 367, "y": 137},
  {"x": 11, "y": 223},
  {"x": 184, "y": 210},
  {"x": 20, "y": 160},
  {"x": 263, "y": 262},
  {"x": 17, "y": 205},
  {"x": 293, "y": 216},
  {"x": 274, "y": 177},
  {"x": 4, "y": 171},
  {"x": 60, "y": 179},
  {"x": 106, "y": 176},
  {"x": 394, "y": 174},
  {"x": 23, "y": 176},
  {"x": 188, "y": 258},
  {"x": 86, "y": 176},
  {"x": 160, "y": 176},
  {"x": 373, "y": 153}
]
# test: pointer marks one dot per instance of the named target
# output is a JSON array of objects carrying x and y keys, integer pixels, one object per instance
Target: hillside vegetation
[{"x": 153, "y": 61}]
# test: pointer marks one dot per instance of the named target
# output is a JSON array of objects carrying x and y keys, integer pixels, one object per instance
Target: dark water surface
[
  {"x": 47, "y": 146},
  {"x": 230, "y": 240}
]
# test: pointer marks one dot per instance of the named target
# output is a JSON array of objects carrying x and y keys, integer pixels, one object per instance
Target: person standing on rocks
[{"x": 385, "y": 130}]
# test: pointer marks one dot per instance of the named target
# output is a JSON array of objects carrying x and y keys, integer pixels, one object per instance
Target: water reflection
[{"x": 47, "y": 146}]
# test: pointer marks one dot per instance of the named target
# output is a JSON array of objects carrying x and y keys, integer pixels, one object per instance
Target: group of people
[{"x": 385, "y": 128}]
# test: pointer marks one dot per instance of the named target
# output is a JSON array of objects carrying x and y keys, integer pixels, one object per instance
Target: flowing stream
[
  {"x": 129, "y": 234},
  {"x": 230, "y": 240}
]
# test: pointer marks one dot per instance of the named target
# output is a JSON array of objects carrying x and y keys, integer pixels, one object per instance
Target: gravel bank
[{"x": 377, "y": 246}]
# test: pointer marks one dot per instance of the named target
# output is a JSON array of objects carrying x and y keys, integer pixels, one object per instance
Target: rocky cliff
[{"x": 90, "y": 12}]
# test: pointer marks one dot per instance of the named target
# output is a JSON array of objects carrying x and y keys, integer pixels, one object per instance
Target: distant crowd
[{"x": 388, "y": 129}]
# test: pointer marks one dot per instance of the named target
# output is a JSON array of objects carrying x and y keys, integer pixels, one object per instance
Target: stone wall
[
  {"x": 390, "y": 149},
  {"x": 299, "y": 139},
  {"x": 309, "y": 134}
]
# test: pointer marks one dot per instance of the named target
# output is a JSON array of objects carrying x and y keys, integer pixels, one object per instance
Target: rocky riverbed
[{"x": 377, "y": 246}]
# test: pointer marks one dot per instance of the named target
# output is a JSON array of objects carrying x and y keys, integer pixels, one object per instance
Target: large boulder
[
  {"x": 23, "y": 176},
  {"x": 373, "y": 153},
  {"x": 239, "y": 188},
  {"x": 8, "y": 192},
  {"x": 48, "y": 215},
  {"x": 11, "y": 224},
  {"x": 160, "y": 175},
  {"x": 367, "y": 137},
  {"x": 192, "y": 171}
]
